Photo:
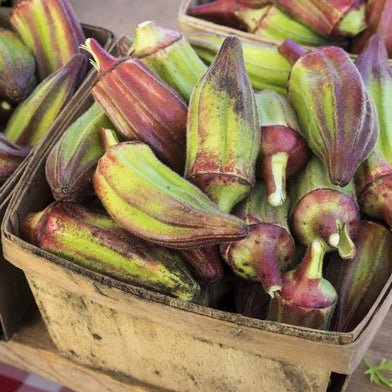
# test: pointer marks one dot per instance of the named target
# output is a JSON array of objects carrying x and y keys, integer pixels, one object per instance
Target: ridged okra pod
[
  {"x": 360, "y": 280},
  {"x": 323, "y": 211},
  {"x": 373, "y": 178},
  {"x": 152, "y": 201},
  {"x": 71, "y": 163},
  {"x": 33, "y": 117},
  {"x": 169, "y": 54},
  {"x": 269, "y": 248},
  {"x": 96, "y": 242},
  {"x": 265, "y": 66},
  {"x": 17, "y": 67},
  {"x": 271, "y": 22},
  {"x": 340, "y": 130},
  {"x": 223, "y": 133},
  {"x": 306, "y": 298},
  {"x": 50, "y": 29},
  {"x": 140, "y": 104}
]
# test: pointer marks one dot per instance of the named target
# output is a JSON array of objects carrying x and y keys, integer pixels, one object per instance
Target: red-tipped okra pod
[
  {"x": 223, "y": 133},
  {"x": 321, "y": 210},
  {"x": 269, "y": 248},
  {"x": 373, "y": 178},
  {"x": 50, "y": 29},
  {"x": 33, "y": 117},
  {"x": 360, "y": 280},
  {"x": 152, "y": 201},
  {"x": 71, "y": 163},
  {"x": 306, "y": 298},
  {"x": 340, "y": 130},
  {"x": 140, "y": 104},
  {"x": 94, "y": 241},
  {"x": 168, "y": 53},
  {"x": 17, "y": 67}
]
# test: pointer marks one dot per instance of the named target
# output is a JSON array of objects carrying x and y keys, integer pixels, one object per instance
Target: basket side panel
[{"x": 109, "y": 340}]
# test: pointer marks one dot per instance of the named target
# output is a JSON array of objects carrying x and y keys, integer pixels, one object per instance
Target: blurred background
[{"x": 122, "y": 16}]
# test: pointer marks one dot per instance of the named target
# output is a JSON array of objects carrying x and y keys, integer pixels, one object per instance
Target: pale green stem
[
  {"x": 342, "y": 241},
  {"x": 271, "y": 291},
  {"x": 316, "y": 263},
  {"x": 278, "y": 166},
  {"x": 109, "y": 138},
  {"x": 346, "y": 247}
]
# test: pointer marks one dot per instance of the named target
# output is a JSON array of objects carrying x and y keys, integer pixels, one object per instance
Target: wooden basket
[
  {"x": 164, "y": 342},
  {"x": 191, "y": 24},
  {"x": 15, "y": 295}
]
